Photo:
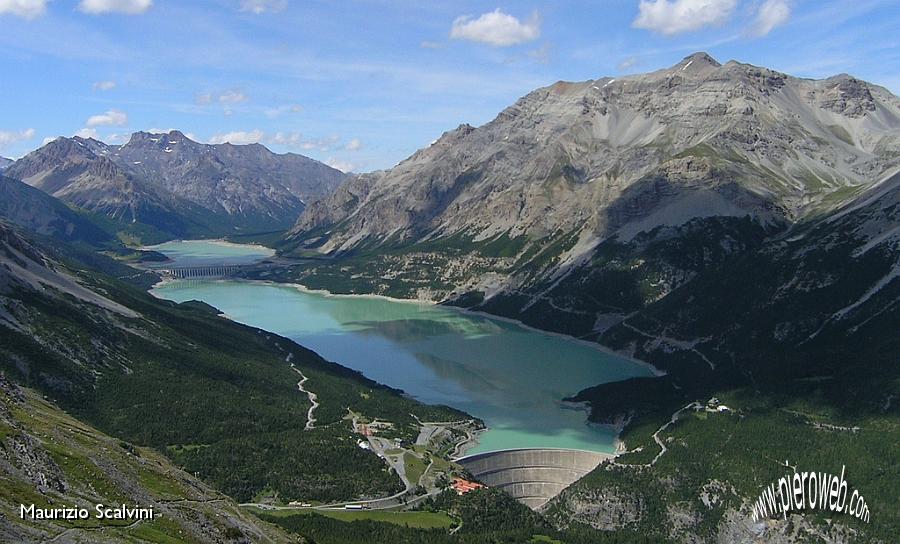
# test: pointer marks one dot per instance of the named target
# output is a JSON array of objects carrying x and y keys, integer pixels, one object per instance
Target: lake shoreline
[
  {"x": 657, "y": 373},
  {"x": 474, "y": 442}
]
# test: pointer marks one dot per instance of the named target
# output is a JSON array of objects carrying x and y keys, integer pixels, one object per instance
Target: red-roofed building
[{"x": 462, "y": 486}]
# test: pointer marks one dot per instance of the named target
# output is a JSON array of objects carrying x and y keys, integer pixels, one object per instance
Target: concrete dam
[
  {"x": 532, "y": 476},
  {"x": 199, "y": 272}
]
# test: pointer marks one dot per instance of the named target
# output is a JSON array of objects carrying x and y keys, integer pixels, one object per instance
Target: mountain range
[
  {"x": 163, "y": 186},
  {"x": 585, "y": 202},
  {"x": 734, "y": 226},
  {"x": 621, "y": 156}
]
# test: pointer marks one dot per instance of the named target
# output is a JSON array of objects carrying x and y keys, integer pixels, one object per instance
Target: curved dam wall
[{"x": 532, "y": 476}]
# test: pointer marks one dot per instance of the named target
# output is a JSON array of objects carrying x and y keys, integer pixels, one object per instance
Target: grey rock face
[
  {"x": 585, "y": 202},
  {"x": 4, "y": 162},
  {"x": 226, "y": 178},
  {"x": 612, "y": 155},
  {"x": 176, "y": 185}
]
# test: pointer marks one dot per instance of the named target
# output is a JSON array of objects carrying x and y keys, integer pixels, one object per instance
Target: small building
[
  {"x": 363, "y": 444},
  {"x": 462, "y": 486}
]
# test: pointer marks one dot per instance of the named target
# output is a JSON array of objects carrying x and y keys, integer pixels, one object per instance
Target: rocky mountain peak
[
  {"x": 847, "y": 95},
  {"x": 701, "y": 58},
  {"x": 156, "y": 139},
  {"x": 59, "y": 153},
  {"x": 697, "y": 65},
  {"x": 173, "y": 183},
  {"x": 628, "y": 154},
  {"x": 104, "y": 168}
]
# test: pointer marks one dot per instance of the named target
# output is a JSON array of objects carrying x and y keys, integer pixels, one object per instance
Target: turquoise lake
[
  {"x": 208, "y": 253},
  {"x": 510, "y": 376}
]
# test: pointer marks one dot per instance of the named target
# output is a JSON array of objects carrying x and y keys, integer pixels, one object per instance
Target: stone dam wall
[{"x": 532, "y": 476}]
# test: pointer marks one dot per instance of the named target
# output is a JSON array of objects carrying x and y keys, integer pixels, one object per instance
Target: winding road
[
  {"x": 662, "y": 447},
  {"x": 314, "y": 403}
]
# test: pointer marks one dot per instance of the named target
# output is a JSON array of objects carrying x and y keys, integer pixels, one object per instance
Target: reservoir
[
  {"x": 208, "y": 253},
  {"x": 510, "y": 376}
]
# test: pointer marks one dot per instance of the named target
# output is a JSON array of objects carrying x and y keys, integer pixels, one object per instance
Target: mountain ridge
[
  {"x": 159, "y": 186},
  {"x": 584, "y": 202},
  {"x": 602, "y": 137},
  {"x": 43, "y": 214}
]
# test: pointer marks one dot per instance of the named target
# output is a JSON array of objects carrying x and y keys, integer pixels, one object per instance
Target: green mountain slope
[
  {"x": 799, "y": 338},
  {"x": 48, "y": 458},
  {"x": 218, "y": 398},
  {"x": 40, "y": 213}
]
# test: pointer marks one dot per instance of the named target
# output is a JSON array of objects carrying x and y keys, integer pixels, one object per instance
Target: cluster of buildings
[{"x": 713, "y": 405}]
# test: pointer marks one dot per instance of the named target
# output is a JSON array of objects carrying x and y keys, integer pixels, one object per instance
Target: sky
[{"x": 361, "y": 85}]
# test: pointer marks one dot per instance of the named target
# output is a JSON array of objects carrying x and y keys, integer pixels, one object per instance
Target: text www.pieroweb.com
[{"x": 810, "y": 491}]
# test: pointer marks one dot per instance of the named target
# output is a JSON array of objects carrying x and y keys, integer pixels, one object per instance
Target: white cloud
[
  {"x": 117, "y": 138},
  {"x": 291, "y": 140},
  {"x": 281, "y": 110},
  {"x": 342, "y": 165},
  {"x": 771, "y": 13},
  {"x": 627, "y": 63},
  {"x": 11, "y": 137},
  {"x": 288, "y": 139},
  {"x": 496, "y": 28},
  {"x": 676, "y": 16},
  {"x": 295, "y": 140},
  {"x": 226, "y": 100},
  {"x": 128, "y": 7},
  {"x": 110, "y": 118},
  {"x": 104, "y": 85},
  {"x": 353, "y": 145},
  {"x": 238, "y": 137},
  {"x": 88, "y": 133},
  {"x": 49, "y": 139},
  {"x": 263, "y": 6},
  {"x": 27, "y": 9},
  {"x": 232, "y": 97},
  {"x": 542, "y": 54}
]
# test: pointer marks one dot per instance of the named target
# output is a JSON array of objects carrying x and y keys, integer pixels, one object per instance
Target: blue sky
[{"x": 363, "y": 84}]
